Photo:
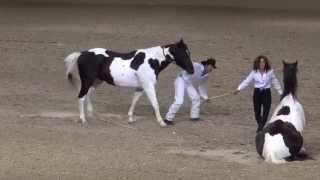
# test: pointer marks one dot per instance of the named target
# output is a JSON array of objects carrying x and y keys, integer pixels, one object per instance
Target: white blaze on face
[{"x": 98, "y": 51}]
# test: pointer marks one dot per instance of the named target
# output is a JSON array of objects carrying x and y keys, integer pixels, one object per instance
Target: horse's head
[
  {"x": 290, "y": 78},
  {"x": 289, "y": 69},
  {"x": 181, "y": 55}
]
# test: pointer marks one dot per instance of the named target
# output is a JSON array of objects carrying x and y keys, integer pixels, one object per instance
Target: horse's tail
[{"x": 71, "y": 66}]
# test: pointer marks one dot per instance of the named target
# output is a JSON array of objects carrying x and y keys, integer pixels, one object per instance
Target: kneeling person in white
[{"x": 196, "y": 87}]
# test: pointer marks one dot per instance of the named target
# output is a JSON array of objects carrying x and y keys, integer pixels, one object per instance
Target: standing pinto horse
[
  {"x": 138, "y": 69},
  {"x": 281, "y": 140}
]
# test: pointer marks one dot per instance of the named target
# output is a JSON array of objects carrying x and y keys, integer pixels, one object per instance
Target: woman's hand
[{"x": 236, "y": 92}]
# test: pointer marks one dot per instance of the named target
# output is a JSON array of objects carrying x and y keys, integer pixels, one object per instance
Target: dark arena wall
[{"x": 291, "y": 5}]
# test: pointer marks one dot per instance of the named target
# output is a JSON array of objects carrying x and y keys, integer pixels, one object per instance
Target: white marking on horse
[{"x": 98, "y": 51}]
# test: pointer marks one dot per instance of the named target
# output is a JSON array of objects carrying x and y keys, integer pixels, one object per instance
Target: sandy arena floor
[{"x": 40, "y": 140}]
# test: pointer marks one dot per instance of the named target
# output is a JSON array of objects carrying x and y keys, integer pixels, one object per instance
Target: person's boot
[
  {"x": 168, "y": 122},
  {"x": 194, "y": 119}
]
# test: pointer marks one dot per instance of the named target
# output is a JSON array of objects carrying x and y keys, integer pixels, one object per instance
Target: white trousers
[{"x": 180, "y": 88}]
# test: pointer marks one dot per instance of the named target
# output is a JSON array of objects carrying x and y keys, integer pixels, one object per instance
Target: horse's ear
[
  {"x": 181, "y": 41},
  {"x": 284, "y": 63},
  {"x": 295, "y": 64}
]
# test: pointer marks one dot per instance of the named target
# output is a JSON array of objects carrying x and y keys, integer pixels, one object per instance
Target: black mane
[{"x": 289, "y": 79}]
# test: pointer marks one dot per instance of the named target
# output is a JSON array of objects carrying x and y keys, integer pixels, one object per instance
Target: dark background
[{"x": 291, "y": 5}]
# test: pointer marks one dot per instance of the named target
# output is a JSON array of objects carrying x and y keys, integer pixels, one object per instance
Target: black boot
[
  {"x": 194, "y": 119},
  {"x": 168, "y": 122}
]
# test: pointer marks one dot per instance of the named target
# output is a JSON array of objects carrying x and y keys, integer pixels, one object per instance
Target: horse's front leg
[
  {"x": 89, "y": 101},
  {"x": 82, "y": 103},
  {"x": 137, "y": 94},
  {"x": 151, "y": 93}
]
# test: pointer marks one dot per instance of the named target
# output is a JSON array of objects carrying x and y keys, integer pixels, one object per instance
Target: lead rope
[{"x": 220, "y": 96}]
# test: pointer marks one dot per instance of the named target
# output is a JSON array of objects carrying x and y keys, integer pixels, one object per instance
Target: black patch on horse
[
  {"x": 285, "y": 110},
  {"x": 137, "y": 61},
  {"x": 291, "y": 137},
  {"x": 92, "y": 67},
  {"x": 154, "y": 63},
  {"x": 104, "y": 73},
  {"x": 165, "y": 63},
  {"x": 124, "y": 56}
]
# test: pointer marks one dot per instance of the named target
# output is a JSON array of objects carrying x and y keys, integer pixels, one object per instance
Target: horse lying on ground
[
  {"x": 138, "y": 69},
  {"x": 281, "y": 139}
]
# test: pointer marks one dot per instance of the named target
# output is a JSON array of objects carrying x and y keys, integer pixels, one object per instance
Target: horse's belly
[
  {"x": 123, "y": 75},
  {"x": 127, "y": 80}
]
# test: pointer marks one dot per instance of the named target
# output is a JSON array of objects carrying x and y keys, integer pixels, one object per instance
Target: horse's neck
[
  {"x": 162, "y": 55},
  {"x": 296, "y": 115},
  {"x": 155, "y": 53},
  {"x": 288, "y": 100},
  {"x": 290, "y": 86}
]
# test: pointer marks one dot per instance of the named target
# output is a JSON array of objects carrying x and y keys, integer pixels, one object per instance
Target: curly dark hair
[
  {"x": 210, "y": 61},
  {"x": 256, "y": 63}
]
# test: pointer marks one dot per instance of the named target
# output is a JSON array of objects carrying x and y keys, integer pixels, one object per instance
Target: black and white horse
[
  {"x": 137, "y": 69},
  {"x": 281, "y": 140}
]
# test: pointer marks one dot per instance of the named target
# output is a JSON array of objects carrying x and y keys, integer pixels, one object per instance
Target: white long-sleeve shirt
[
  {"x": 261, "y": 80},
  {"x": 197, "y": 79}
]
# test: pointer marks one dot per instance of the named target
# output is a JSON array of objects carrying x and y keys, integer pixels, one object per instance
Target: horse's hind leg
[
  {"x": 85, "y": 86},
  {"x": 137, "y": 94},
  {"x": 89, "y": 102},
  {"x": 90, "y": 96}
]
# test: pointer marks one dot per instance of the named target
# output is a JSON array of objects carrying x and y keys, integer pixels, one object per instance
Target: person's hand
[
  {"x": 207, "y": 100},
  {"x": 236, "y": 92}
]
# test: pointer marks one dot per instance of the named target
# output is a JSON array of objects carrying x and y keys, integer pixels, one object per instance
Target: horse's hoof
[
  {"x": 91, "y": 114},
  {"x": 84, "y": 123},
  {"x": 163, "y": 124},
  {"x": 131, "y": 120},
  {"x": 302, "y": 150}
]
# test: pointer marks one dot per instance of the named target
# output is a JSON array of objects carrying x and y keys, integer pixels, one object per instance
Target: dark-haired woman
[{"x": 263, "y": 77}]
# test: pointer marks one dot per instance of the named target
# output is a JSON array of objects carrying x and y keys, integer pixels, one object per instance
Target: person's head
[
  {"x": 261, "y": 63},
  {"x": 209, "y": 65}
]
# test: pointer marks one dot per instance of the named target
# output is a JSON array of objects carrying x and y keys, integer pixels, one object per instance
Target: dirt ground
[{"x": 40, "y": 140}]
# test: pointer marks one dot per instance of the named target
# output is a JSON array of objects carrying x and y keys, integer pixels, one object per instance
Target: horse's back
[{"x": 294, "y": 113}]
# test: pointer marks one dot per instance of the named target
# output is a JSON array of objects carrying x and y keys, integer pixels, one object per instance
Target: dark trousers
[{"x": 261, "y": 102}]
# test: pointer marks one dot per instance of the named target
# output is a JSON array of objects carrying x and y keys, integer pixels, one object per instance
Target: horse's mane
[{"x": 290, "y": 80}]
